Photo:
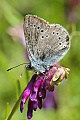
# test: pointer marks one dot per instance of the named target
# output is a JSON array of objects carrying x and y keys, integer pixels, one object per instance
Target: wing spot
[
  {"x": 68, "y": 43},
  {"x": 59, "y": 38},
  {"x": 67, "y": 38},
  {"x": 47, "y": 36},
  {"x": 28, "y": 34},
  {"x": 34, "y": 25},
  {"x": 38, "y": 27},
  {"x": 60, "y": 43},
  {"x": 64, "y": 46},
  {"x": 41, "y": 30},
  {"x": 42, "y": 36},
  {"x": 57, "y": 33}
]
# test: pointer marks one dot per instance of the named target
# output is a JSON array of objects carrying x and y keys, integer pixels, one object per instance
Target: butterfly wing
[
  {"x": 57, "y": 44},
  {"x": 46, "y": 44},
  {"x": 33, "y": 28}
]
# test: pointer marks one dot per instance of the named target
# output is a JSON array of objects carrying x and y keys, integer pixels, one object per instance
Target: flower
[
  {"x": 17, "y": 33},
  {"x": 39, "y": 85},
  {"x": 71, "y": 9}
]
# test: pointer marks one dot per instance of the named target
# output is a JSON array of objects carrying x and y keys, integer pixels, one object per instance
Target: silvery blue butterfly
[{"x": 46, "y": 43}]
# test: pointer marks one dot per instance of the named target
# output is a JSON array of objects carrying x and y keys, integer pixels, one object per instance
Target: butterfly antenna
[{"x": 16, "y": 66}]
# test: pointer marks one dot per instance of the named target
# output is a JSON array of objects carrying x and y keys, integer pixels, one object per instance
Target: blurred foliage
[{"x": 12, "y": 53}]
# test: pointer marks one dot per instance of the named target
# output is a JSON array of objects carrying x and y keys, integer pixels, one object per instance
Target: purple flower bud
[
  {"x": 33, "y": 96},
  {"x": 27, "y": 92},
  {"x": 42, "y": 92},
  {"x": 36, "y": 86},
  {"x": 35, "y": 105},
  {"x": 40, "y": 102},
  {"x": 21, "y": 106},
  {"x": 30, "y": 109},
  {"x": 38, "y": 83},
  {"x": 50, "y": 74}
]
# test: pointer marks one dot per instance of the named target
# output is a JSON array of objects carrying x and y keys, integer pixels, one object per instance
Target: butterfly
[{"x": 46, "y": 43}]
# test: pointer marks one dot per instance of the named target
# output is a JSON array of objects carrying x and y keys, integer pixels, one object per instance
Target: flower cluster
[{"x": 38, "y": 86}]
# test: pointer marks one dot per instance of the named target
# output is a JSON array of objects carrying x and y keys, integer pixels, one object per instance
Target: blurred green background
[{"x": 12, "y": 52}]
